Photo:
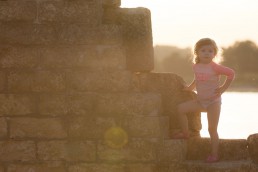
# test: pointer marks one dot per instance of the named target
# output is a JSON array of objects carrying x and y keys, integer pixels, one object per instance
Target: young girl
[{"x": 206, "y": 81}]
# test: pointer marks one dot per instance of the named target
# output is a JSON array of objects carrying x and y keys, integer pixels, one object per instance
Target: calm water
[{"x": 239, "y": 116}]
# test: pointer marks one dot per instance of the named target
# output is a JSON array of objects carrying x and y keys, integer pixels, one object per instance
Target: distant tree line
[{"x": 241, "y": 56}]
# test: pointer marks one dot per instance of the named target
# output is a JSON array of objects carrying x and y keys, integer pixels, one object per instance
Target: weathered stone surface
[
  {"x": 137, "y": 36},
  {"x": 80, "y": 11},
  {"x": 36, "y": 81},
  {"x": 104, "y": 58},
  {"x": 37, "y": 128},
  {"x": 3, "y": 127},
  {"x": 199, "y": 148},
  {"x": 253, "y": 147},
  {"x": 17, "y": 151},
  {"x": 67, "y": 56},
  {"x": 81, "y": 104},
  {"x": 61, "y": 34},
  {"x": 52, "y": 104},
  {"x": 99, "y": 81},
  {"x": 129, "y": 104},
  {"x": 172, "y": 151},
  {"x": 143, "y": 127},
  {"x": 170, "y": 86},
  {"x": 82, "y": 167},
  {"x": 18, "y": 11},
  {"x": 75, "y": 33},
  {"x": 20, "y": 104},
  {"x": 67, "y": 150},
  {"x": 135, "y": 150},
  {"x": 2, "y": 81},
  {"x": 40, "y": 167},
  {"x": 224, "y": 166},
  {"x": 110, "y": 58},
  {"x": 90, "y": 127},
  {"x": 111, "y": 3},
  {"x": 111, "y": 34},
  {"x": 19, "y": 57},
  {"x": 24, "y": 34}
]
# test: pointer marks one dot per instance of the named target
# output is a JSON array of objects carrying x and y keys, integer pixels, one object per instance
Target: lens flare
[{"x": 116, "y": 137}]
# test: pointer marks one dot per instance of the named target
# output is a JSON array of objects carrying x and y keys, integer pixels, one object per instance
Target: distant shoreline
[{"x": 242, "y": 89}]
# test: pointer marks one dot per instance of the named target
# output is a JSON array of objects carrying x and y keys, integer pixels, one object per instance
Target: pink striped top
[{"x": 207, "y": 77}]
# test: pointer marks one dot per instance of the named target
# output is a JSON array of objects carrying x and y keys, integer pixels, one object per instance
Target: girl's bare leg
[
  {"x": 183, "y": 109},
  {"x": 213, "y": 113}
]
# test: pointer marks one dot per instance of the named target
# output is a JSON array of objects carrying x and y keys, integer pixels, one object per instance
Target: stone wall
[{"x": 77, "y": 92}]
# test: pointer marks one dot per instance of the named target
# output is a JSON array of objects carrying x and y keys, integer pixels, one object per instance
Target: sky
[{"x": 183, "y": 22}]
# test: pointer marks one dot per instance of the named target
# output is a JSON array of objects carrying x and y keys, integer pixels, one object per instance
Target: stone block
[
  {"x": 172, "y": 151},
  {"x": 91, "y": 167},
  {"x": 12, "y": 104},
  {"x": 17, "y": 151},
  {"x": 170, "y": 86},
  {"x": 3, "y": 127},
  {"x": 81, "y": 104},
  {"x": 67, "y": 56},
  {"x": 100, "y": 81},
  {"x": 37, "y": 167},
  {"x": 61, "y": 34},
  {"x": 104, "y": 58},
  {"x": 36, "y": 81},
  {"x": 19, "y": 57},
  {"x": 75, "y": 33},
  {"x": 111, "y": 34},
  {"x": 109, "y": 58},
  {"x": 111, "y": 3},
  {"x": 235, "y": 149},
  {"x": 136, "y": 150},
  {"x": 67, "y": 151},
  {"x": 79, "y": 11},
  {"x": 18, "y": 11},
  {"x": 110, "y": 16},
  {"x": 137, "y": 37},
  {"x": 43, "y": 128},
  {"x": 129, "y": 104},
  {"x": 146, "y": 167},
  {"x": 228, "y": 166},
  {"x": 2, "y": 81},
  {"x": 52, "y": 104},
  {"x": 27, "y": 34},
  {"x": 143, "y": 127},
  {"x": 90, "y": 127},
  {"x": 165, "y": 83},
  {"x": 253, "y": 147}
]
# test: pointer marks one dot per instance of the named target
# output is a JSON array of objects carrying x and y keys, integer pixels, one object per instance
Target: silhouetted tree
[{"x": 242, "y": 56}]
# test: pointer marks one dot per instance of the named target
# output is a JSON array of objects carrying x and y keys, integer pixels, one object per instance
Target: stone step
[
  {"x": 222, "y": 166},
  {"x": 229, "y": 149},
  {"x": 50, "y": 11},
  {"x": 59, "y": 34},
  {"x": 99, "y": 58}
]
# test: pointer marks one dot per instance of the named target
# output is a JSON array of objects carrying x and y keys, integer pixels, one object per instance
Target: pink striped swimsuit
[{"x": 207, "y": 77}]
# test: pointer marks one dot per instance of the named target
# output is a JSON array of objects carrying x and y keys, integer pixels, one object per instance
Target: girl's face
[{"x": 206, "y": 53}]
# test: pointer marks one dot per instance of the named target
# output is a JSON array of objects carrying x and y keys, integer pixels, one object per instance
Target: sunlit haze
[{"x": 183, "y": 22}]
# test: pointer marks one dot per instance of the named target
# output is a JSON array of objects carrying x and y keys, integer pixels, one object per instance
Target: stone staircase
[
  {"x": 77, "y": 94},
  {"x": 234, "y": 156}
]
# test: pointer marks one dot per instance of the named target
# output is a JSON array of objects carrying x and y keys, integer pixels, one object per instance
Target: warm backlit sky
[{"x": 183, "y": 22}]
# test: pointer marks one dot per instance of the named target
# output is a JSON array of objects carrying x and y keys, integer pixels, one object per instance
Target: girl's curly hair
[{"x": 202, "y": 42}]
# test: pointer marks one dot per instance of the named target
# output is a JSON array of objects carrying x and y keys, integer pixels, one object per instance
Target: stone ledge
[{"x": 230, "y": 149}]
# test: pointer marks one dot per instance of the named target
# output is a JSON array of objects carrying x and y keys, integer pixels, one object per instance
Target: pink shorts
[{"x": 206, "y": 103}]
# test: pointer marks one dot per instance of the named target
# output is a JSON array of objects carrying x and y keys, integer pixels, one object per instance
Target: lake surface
[{"x": 238, "y": 118}]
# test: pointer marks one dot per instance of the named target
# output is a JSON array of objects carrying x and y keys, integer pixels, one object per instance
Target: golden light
[{"x": 116, "y": 137}]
